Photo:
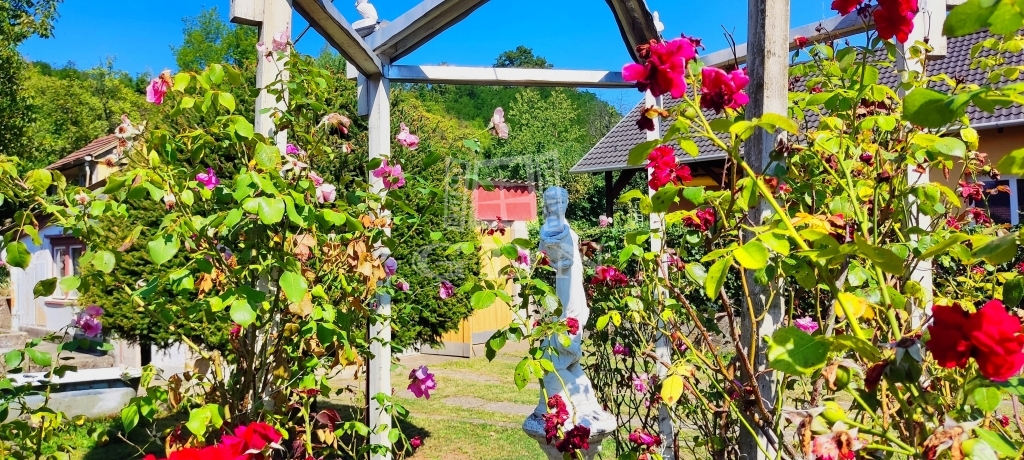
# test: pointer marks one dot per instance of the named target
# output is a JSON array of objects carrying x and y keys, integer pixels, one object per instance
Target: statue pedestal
[{"x": 600, "y": 429}]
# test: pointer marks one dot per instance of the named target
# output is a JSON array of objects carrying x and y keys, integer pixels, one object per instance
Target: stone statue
[
  {"x": 368, "y": 12},
  {"x": 561, "y": 244}
]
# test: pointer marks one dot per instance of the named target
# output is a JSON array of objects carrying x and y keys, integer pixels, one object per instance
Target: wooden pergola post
[
  {"x": 270, "y": 17},
  {"x": 768, "y": 68}
]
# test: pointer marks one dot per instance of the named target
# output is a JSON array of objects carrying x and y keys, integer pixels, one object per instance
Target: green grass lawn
[{"x": 450, "y": 431}]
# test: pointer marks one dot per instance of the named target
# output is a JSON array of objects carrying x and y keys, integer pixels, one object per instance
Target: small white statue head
[{"x": 556, "y": 201}]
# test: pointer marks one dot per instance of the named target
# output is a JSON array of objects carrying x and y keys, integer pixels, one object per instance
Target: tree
[
  {"x": 521, "y": 57},
  {"x": 208, "y": 39},
  {"x": 19, "y": 20}
]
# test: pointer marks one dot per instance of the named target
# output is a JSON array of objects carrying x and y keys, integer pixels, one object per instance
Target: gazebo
[{"x": 373, "y": 49}]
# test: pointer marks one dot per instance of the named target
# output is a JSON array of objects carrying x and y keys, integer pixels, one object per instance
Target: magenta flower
[
  {"x": 292, "y": 149},
  {"x": 235, "y": 331},
  {"x": 446, "y": 289},
  {"x": 523, "y": 259},
  {"x": 643, "y": 438},
  {"x": 573, "y": 324},
  {"x": 317, "y": 180},
  {"x": 720, "y": 90},
  {"x": 664, "y": 67},
  {"x": 806, "y": 324},
  {"x": 391, "y": 174},
  {"x": 604, "y": 221},
  {"x": 326, "y": 193},
  {"x": 407, "y": 139},
  {"x": 498, "y": 126},
  {"x": 421, "y": 382},
  {"x": 402, "y": 285},
  {"x": 158, "y": 88},
  {"x": 640, "y": 382},
  {"x": 87, "y": 321},
  {"x": 390, "y": 266},
  {"x": 620, "y": 350},
  {"x": 208, "y": 179},
  {"x": 416, "y": 442},
  {"x": 94, "y": 311}
]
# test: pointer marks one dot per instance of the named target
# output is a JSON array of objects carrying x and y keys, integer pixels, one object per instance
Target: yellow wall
[{"x": 991, "y": 141}]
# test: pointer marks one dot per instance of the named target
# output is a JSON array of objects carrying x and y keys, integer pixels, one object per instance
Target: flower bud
[
  {"x": 833, "y": 412},
  {"x": 884, "y": 176},
  {"x": 867, "y": 157}
]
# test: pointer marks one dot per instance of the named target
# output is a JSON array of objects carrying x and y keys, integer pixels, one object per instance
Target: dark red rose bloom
[
  {"x": 576, "y": 439},
  {"x": 573, "y": 324},
  {"x": 664, "y": 68},
  {"x": 702, "y": 219},
  {"x": 800, "y": 41},
  {"x": 1004, "y": 421},
  {"x": 643, "y": 438},
  {"x": 991, "y": 336},
  {"x": 1020, "y": 267},
  {"x": 720, "y": 90},
  {"x": 980, "y": 216},
  {"x": 606, "y": 274},
  {"x": 895, "y": 18},
  {"x": 664, "y": 168},
  {"x": 953, "y": 223},
  {"x": 846, "y": 6},
  {"x": 874, "y": 375},
  {"x": 556, "y": 416},
  {"x": 416, "y": 442}
]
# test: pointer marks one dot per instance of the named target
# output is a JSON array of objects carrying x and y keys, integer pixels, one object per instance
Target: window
[
  {"x": 66, "y": 253},
  {"x": 1006, "y": 205}
]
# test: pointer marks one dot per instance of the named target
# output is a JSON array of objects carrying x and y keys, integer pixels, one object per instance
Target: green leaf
[
  {"x": 522, "y": 373},
  {"x": 198, "y": 421},
  {"x": 187, "y": 102},
  {"x": 986, "y": 398},
  {"x": 69, "y": 283},
  {"x": 696, "y": 272},
  {"x": 41, "y": 358},
  {"x": 227, "y": 101},
  {"x": 1012, "y": 163},
  {"x": 772, "y": 121},
  {"x": 1013, "y": 292},
  {"x": 796, "y": 352},
  {"x": 997, "y": 441},
  {"x": 270, "y": 210},
  {"x": 130, "y": 416},
  {"x": 776, "y": 242},
  {"x": 664, "y": 198},
  {"x": 483, "y": 299},
  {"x": 163, "y": 248},
  {"x": 268, "y": 157},
  {"x": 18, "y": 255},
  {"x": 39, "y": 180},
  {"x": 216, "y": 73},
  {"x": 640, "y": 152},
  {"x": 861, "y": 347},
  {"x": 181, "y": 81},
  {"x": 998, "y": 251},
  {"x": 294, "y": 286},
  {"x": 951, "y": 147},
  {"x": 13, "y": 359},
  {"x": 752, "y": 256},
  {"x": 495, "y": 344},
  {"x": 694, "y": 195},
  {"x": 242, "y": 313},
  {"x": 104, "y": 261},
  {"x": 716, "y": 277},
  {"x": 45, "y": 288},
  {"x": 927, "y": 108},
  {"x": 942, "y": 246},
  {"x": 472, "y": 144},
  {"x": 968, "y": 18},
  {"x": 243, "y": 127}
]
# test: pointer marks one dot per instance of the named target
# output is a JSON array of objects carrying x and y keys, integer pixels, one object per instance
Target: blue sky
[{"x": 572, "y": 34}]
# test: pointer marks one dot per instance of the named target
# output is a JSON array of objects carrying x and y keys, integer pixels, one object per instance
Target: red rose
[
  {"x": 949, "y": 343},
  {"x": 800, "y": 41},
  {"x": 998, "y": 343},
  {"x": 845, "y": 6},
  {"x": 664, "y": 68},
  {"x": 991, "y": 336},
  {"x": 895, "y": 18},
  {"x": 577, "y": 438},
  {"x": 573, "y": 324}
]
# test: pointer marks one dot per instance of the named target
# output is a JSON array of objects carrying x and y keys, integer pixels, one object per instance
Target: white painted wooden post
[
  {"x": 275, "y": 16},
  {"x": 927, "y": 25},
  {"x": 379, "y": 370},
  {"x": 768, "y": 67},
  {"x": 663, "y": 347}
]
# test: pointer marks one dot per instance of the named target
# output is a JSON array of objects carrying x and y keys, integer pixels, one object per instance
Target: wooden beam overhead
[
  {"x": 496, "y": 76},
  {"x": 419, "y": 25},
  {"x": 834, "y": 28},
  {"x": 636, "y": 24},
  {"x": 323, "y": 16}
]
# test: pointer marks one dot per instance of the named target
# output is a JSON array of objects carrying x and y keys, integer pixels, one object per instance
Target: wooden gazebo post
[{"x": 768, "y": 68}]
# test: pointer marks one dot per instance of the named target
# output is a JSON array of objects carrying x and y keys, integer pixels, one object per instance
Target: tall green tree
[
  {"x": 19, "y": 20},
  {"x": 209, "y": 39},
  {"x": 522, "y": 57}
]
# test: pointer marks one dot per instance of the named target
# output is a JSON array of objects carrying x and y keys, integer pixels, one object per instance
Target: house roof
[
  {"x": 611, "y": 152},
  {"x": 94, "y": 148}
]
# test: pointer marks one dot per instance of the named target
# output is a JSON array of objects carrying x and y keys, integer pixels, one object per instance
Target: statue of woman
[
  {"x": 568, "y": 381},
  {"x": 366, "y": 10}
]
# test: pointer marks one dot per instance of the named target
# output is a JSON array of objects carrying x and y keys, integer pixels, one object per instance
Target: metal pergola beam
[
  {"x": 325, "y": 18},
  {"x": 419, "y": 25},
  {"x": 492, "y": 76},
  {"x": 636, "y": 24}
]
